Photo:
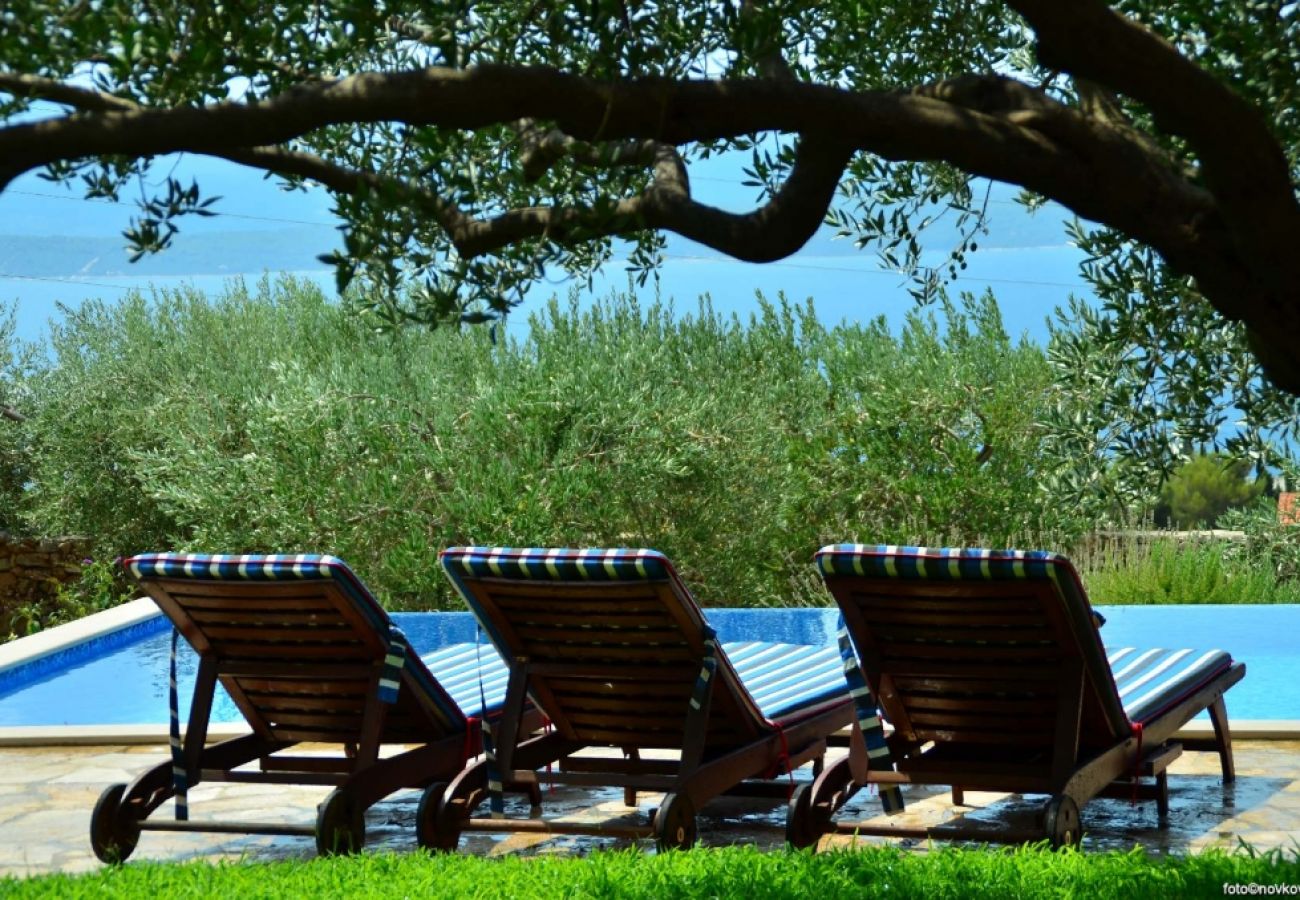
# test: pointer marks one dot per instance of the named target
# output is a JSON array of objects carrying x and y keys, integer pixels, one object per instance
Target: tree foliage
[
  {"x": 13, "y": 450},
  {"x": 1204, "y": 488},
  {"x": 271, "y": 421},
  {"x": 470, "y": 147}
]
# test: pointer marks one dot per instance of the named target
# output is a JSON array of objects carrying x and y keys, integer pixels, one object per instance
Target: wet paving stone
[{"x": 46, "y": 797}]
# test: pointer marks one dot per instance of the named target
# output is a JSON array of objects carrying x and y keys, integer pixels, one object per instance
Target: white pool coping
[{"x": 61, "y": 637}]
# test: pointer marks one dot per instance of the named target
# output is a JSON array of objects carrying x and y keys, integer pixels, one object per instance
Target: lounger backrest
[
  {"x": 615, "y": 640},
  {"x": 299, "y": 640},
  {"x": 969, "y": 646}
]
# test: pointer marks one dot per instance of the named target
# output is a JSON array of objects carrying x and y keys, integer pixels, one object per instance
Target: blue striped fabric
[
  {"x": 782, "y": 681},
  {"x": 288, "y": 567},
  {"x": 180, "y": 775},
  {"x": 556, "y": 564},
  {"x": 867, "y": 712},
  {"x": 783, "y": 678},
  {"x": 787, "y": 678},
  {"x": 1152, "y": 681},
  {"x": 462, "y": 668},
  {"x": 942, "y": 563}
]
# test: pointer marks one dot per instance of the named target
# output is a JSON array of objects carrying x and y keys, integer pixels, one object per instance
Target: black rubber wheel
[
  {"x": 674, "y": 823},
  {"x": 340, "y": 824},
  {"x": 1062, "y": 822},
  {"x": 431, "y": 832},
  {"x": 112, "y": 839},
  {"x": 804, "y": 823}
]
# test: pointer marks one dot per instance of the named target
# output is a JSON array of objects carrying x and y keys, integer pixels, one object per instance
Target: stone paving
[{"x": 46, "y": 796}]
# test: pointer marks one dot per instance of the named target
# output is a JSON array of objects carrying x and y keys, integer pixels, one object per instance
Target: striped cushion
[
  {"x": 942, "y": 563},
  {"x": 464, "y": 668},
  {"x": 1152, "y": 681},
  {"x": 559, "y": 564},
  {"x": 786, "y": 679}
]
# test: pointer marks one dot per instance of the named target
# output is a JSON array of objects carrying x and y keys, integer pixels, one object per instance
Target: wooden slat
[
  {"x": 917, "y": 703},
  {"x": 235, "y": 651},
  {"x": 1005, "y": 635},
  {"x": 981, "y": 721},
  {"x": 305, "y": 687},
  {"x": 630, "y": 703},
  {"x": 284, "y": 702},
  {"x": 320, "y": 735},
  {"x": 1021, "y": 775},
  {"x": 981, "y": 653},
  {"x": 254, "y": 598},
  {"x": 548, "y": 591},
  {"x": 600, "y": 633},
  {"x": 631, "y": 653},
  {"x": 964, "y": 680},
  {"x": 190, "y": 587},
  {"x": 1014, "y": 736},
  {"x": 980, "y": 617},
  {"x": 657, "y": 739},
  {"x": 962, "y": 591},
  {"x": 599, "y": 719},
  {"x": 676, "y": 673},
  {"x": 561, "y": 618},
  {"x": 295, "y": 617},
  {"x": 335, "y": 632},
  {"x": 1018, "y": 674},
  {"x": 306, "y": 764},
  {"x": 221, "y": 605},
  {"x": 348, "y": 721},
  {"x": 623, "y": 656},
  {"x": 973, "y": 607},
  {"x": 604, "y": 607},
  {"x": 670, "y": 682}
]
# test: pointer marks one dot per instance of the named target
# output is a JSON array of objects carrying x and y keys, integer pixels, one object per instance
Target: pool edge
[
  {"x": 50, "y": 641},
  {"x": 102, "y": 735}
]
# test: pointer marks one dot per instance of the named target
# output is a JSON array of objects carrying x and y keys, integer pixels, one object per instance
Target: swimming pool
[{"x": 121, "y": 678}]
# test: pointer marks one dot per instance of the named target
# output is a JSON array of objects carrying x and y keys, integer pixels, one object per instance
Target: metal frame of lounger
[
  {"x": 614, "y": 650},
  {"x": 989, "y": 668},
  {"x": 307, "y": 655}
]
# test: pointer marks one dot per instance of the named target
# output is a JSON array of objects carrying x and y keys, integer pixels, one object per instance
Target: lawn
[{"x": 730, "y": 872}]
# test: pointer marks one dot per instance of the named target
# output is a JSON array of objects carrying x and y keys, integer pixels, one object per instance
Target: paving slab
[{"x": 47, "y": 793}]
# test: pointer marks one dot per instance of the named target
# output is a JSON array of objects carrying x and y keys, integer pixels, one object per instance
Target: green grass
[{"x": 731, "y": 872}]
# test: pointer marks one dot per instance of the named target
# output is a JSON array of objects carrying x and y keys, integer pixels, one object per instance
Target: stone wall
[{"x": 31, "y": 570}]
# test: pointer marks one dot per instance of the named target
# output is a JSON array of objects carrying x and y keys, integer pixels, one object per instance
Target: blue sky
[{"x": 56, "y": 246}]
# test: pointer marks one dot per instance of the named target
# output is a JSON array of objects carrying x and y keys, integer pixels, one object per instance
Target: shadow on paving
[{"x": 46, "y": 797}]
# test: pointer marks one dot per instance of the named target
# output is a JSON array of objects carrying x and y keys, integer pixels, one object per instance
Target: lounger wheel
[
  {"x": 1062, "y": 822},
  {"x": 804, "y": 822},
  {"x": 674, "y": 823},
  {"x": 113, "y": 835},
  {"x": 340, "y": 824},
  {"x": 436, "y": 827}
]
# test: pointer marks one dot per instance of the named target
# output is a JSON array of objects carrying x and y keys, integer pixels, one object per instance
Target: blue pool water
[{"x": 122, "y": 678}]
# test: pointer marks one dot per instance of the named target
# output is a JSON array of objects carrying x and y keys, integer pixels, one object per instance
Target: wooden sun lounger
[
  {"x": 307, "y": 655},
  {"x": 993, "y": 675},
  {"x": 613, "y": 649}
]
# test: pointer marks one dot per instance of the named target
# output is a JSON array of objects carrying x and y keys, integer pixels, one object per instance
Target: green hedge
[{"x": 271, "y": 421}]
